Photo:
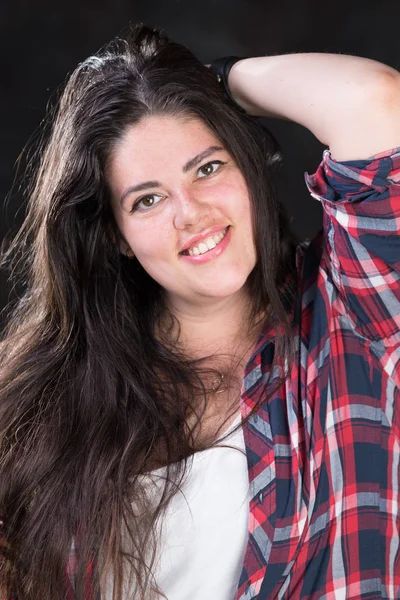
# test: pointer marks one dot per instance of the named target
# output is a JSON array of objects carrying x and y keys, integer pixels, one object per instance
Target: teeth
[
  {"x": 203, "y": 248},
  {"x": 208, "y": 244}
]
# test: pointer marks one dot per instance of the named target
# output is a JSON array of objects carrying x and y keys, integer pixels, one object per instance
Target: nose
[{"x": 189, "y": 210}]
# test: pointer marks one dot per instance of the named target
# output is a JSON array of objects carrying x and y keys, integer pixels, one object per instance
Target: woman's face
[{"x": 182, "y": 205}]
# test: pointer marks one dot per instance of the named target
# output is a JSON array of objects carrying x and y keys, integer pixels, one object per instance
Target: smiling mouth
[{"x": 206, "y": 245}]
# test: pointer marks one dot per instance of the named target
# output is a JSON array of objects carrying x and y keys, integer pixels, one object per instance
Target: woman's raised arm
[{"x": 349, "y": 103}]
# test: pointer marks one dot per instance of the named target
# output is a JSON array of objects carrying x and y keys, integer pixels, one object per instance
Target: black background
[{"x": 41, "y": 42}]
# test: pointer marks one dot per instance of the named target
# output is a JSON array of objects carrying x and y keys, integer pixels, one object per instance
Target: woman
[{"x": 168, "y": 310}]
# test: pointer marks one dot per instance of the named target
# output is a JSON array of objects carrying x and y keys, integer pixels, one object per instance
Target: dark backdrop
[{"x": 40, "y": 42}]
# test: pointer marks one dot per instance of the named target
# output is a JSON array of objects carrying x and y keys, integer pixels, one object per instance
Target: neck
[{"x": 218, "y": 327}]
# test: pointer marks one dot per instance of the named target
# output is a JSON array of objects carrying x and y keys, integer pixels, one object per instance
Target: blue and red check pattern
[{"x": 324, "y": 452}]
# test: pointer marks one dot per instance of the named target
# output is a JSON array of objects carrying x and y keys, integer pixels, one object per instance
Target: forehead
[{"x": 159, "y": 138}]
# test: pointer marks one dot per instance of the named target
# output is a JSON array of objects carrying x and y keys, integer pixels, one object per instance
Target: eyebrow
[{"x": 193, "y": 162}]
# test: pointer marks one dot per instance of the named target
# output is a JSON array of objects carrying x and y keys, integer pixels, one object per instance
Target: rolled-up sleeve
[{"x": 361, "y": 202}]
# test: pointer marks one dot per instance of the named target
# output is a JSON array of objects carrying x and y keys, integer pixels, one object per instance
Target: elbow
[{"x": 386, "y": 88}]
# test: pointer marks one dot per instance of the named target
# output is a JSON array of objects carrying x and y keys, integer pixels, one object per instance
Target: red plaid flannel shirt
[{"x": 324, "y": 452}]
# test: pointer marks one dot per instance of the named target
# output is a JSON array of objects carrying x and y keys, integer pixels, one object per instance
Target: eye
[
  {"x": 146, "y": 202},
  {"x": 209, "y": 168}
]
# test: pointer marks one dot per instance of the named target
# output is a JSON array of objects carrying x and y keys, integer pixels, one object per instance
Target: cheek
[
  {"x": 235, "y": 197},
  {"x": 241, "y": 209},
  {"x": 246, "y": 210},
  {"x": 147, "y": 241}
]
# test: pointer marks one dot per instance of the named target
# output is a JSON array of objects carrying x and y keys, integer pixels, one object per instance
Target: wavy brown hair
[{"x": 88, "y": 392}]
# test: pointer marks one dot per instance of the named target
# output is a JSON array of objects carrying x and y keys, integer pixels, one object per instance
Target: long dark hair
[{"x": 88, "y": 392}]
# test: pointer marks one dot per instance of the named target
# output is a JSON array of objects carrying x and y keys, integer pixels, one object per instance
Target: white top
[
  {"x": 205, "y": 531},
  {"x": 205, "y": 528}
]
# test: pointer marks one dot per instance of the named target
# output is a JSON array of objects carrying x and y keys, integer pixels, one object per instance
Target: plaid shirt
[{"x": 323, "y": 454}]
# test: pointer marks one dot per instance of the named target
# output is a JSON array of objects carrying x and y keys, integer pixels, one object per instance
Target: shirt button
[{"x": 260, "y": 497}]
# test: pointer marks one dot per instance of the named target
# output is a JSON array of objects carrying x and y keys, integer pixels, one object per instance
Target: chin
[{"x": 223, "y": 288}]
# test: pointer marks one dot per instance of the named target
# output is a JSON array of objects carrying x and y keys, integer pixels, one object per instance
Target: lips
[
  {"x": 200, "y": 255},
  {"x": 202, "y": 237}
]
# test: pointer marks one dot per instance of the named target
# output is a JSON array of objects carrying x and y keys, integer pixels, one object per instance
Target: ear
[{"x": 124, "y": 248}]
